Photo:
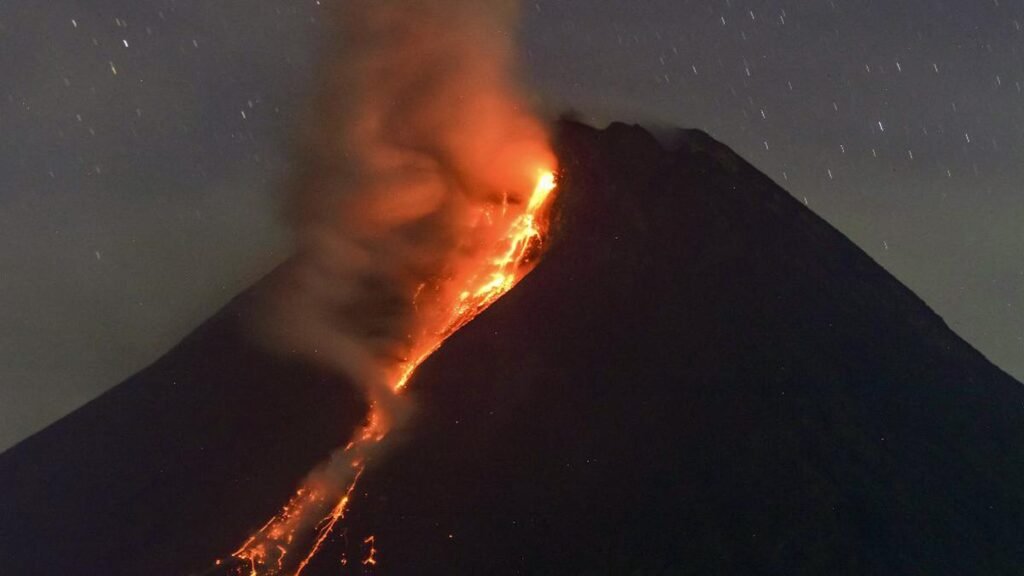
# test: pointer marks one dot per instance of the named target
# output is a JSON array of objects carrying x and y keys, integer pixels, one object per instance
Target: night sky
[{"x": 142, "y": 144}]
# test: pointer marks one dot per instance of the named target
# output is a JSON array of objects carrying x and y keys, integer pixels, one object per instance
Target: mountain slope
[
  {"x": 700, "y": 377},
  {"x": 175, "y": 466}
]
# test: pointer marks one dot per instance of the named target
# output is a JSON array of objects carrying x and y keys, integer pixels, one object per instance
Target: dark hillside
[
  {"x": 174, "y": 466},
  {"x": 701, "y": 377}
]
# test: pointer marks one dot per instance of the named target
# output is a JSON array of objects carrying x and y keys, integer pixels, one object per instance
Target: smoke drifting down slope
[
  {"x": 417, "y": 202},
  {"x": 700, "y": 377}
]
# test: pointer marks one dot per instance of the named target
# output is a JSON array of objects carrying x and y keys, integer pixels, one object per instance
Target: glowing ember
[
  {"x": 371, "y": 558},
  {"x": 455, "y": 301}
]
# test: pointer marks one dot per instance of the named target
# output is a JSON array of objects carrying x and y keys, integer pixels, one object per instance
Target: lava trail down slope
[{"x": 701, "y": 376}]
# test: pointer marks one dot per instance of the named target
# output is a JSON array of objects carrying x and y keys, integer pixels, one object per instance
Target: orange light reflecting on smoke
[{"x": 511, "y": 258}]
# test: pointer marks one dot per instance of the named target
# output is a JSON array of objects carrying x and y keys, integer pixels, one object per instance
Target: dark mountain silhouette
[
  {"x": 701, "y": 377},
  {"x": 170, "y": 469}
]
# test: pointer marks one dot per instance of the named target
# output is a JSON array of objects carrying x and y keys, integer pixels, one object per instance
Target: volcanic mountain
[{"x": 700, "y": 377}]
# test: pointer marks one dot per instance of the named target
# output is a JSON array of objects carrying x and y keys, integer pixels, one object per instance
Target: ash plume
[
  {"x": 418, "y": 126},
  {"x": 421, "y": 157}
]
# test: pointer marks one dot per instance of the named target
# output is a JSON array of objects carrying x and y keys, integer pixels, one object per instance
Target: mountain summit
[{"x": 700, "y": 377}]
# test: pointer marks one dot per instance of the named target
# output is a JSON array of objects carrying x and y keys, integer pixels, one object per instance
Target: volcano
[{"x": 700, "y": 377}]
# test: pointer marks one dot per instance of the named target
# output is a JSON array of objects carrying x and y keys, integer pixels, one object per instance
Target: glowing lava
[{"x": 453, "y": 302}]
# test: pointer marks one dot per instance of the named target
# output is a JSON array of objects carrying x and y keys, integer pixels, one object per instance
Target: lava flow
[{"x": 289, "y": 541}]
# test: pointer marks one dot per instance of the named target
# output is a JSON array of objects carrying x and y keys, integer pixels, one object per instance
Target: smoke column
[
  {"x": 419, "y": 128},
  {"x": 422, "y": 161}
]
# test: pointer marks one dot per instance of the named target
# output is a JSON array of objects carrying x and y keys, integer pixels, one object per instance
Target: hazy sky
[{"x": 141, "y": 142}]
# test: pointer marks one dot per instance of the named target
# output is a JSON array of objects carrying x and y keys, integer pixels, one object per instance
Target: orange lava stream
[
  {"x": 264, "y": 554},
  {"x": 337, "y": 513}
]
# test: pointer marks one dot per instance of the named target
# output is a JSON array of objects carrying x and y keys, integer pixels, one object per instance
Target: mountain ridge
[
  {"x": 700, "y": 376},
  {"x": 787, "y": 396}
]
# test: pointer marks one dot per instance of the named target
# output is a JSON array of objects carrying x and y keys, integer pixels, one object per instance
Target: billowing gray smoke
[
  {"x": 419, "y": 124},
  {"x": 420, "y": 158}
]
